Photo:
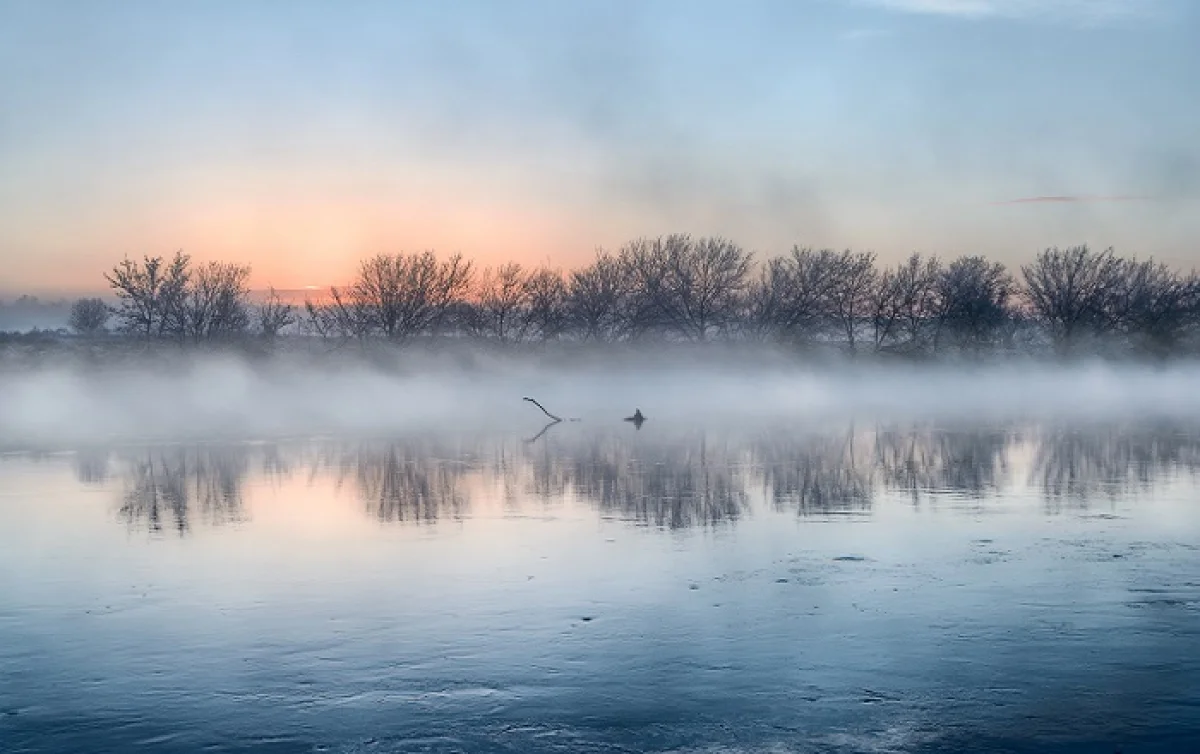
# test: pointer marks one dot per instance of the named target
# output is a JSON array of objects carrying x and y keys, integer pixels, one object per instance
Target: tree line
[
  {"x": 678, "y": 287},
  {"x": 171, "y": 299}
]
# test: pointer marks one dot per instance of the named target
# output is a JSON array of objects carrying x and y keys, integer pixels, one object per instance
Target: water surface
[{"x": 907, "y": 587}]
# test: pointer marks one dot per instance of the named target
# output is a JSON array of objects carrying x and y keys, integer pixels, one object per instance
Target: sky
[{"x": 301, "y": 137}]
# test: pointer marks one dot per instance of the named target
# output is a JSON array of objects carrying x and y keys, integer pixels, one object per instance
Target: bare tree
[
  {"x": 502, "y": 296},
  {"x": 89, "y": 316},
  {"x": 274, "y": 315},
  {"x": 215, "y": 304},
  {"x": 904, "y": 301},
  {"x": 544, "y": 316},
  {"x": 1155, "y": 305},
  {"x": 850, "y": 293},
  {"x": 791, "y": 299},
  {"x": 973, "y": 301},
  {"x": 1072, "y": 293},
  {"x": 381, "y": 291},
  {"x": 341, "y": 316},
  {"x": 692, "y": 287},
  {"x": 442, "y": 285},
  {"x": 597, "y": 299},
  {"x": 765, "y": 301},
  {"x": 886, "y": 310},
  {"x": 397, "y": 295},
  {"x": 151, "y": 293},
  {"x": 710, "y": 283},
  {"x": 644, "y": 268}
]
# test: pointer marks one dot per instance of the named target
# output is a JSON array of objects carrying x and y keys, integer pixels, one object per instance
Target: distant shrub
[{"x": 89, "y": 316}]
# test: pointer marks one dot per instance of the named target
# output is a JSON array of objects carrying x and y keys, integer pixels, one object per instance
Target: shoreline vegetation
[{"x": 698, "y": 297}]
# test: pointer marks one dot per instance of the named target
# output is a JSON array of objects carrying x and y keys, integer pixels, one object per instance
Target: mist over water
[{"x": 226, "y": 396}]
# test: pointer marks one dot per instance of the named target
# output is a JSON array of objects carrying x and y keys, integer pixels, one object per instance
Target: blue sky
[{"x": 302, "y": 136}]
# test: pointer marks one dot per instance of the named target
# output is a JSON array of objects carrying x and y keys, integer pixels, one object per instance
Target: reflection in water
[
  {"x": 691, "y": 479},
  {"x": 819, "y": 474},
  {"x": 968, "y": 461},
  {"x": 91, "y": 465},
  {"x": 675, "y": 485},
  {"x": 1081, "y": 463},
  {"x": 883, "y": 628},
  {"x": 415, "y": 482},
  {"x": 169, "y": 487}
]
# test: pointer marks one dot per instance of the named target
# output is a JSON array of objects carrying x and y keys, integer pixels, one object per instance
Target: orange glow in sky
[{"x": 301, "y": 140}]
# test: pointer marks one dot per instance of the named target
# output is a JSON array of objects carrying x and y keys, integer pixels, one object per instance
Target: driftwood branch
[
  {"x": 552, "y": 416},
  {"x": 544, "y": 411}
]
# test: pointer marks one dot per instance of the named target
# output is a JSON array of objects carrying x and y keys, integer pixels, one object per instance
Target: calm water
[{"x": 865, "y": 587}]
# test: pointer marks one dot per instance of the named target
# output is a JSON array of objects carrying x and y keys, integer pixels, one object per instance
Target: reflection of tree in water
[
  {"x": 679, "y": 481},
  {"x": 1078, "y": 464},
  {"x": 278, "y": 464},
  {"x": 167, "y": 487},
  {"x": 693, "y": 482},
  {"x": 530, "y": 470},
  {"x": 675, "y": 484},
  {"x": 91, "y": 465},
  {"x": 968, "y": 461},
  {"x": 816, "y": 473},
  {"x": 406, "y": 481},
  {"x": 703, "y": 479}
]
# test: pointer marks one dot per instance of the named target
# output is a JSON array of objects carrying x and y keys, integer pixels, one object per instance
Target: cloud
[
  {"x": 1071, "y": 199},
  {"x": 939, "y": 7},
  {"x": 1086, "y": 11}
]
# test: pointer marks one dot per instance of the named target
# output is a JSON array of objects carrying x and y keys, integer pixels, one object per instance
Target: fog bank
[{"x": 221, "y": 396}]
